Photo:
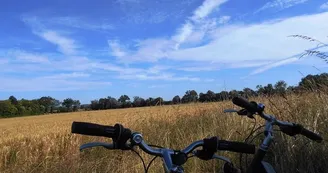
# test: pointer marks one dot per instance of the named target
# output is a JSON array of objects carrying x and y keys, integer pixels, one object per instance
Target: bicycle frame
[{"x": 257, "y": 164}]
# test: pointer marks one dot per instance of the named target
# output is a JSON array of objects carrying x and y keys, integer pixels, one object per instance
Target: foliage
[{"x": 13, "y": 107}]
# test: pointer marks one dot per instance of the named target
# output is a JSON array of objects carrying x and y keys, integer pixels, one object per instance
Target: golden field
[{"x": 44, "y": 143}]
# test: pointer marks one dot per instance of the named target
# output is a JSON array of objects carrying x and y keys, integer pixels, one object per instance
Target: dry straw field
[{"x": 44, "y": 143}]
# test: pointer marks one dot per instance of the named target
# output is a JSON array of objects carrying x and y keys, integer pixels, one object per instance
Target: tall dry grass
[{"x": 44, "y": 143}]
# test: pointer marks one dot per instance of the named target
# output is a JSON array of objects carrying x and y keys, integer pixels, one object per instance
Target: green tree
[
  {"x": 280, "y": 87},
  {"x": 138, "y": 101},
  {"x": 125, "y": 101},
  {"x": 176, "y": 99},
  {"x": 76, "y": 105},
  {"x": 7, "y": 109},
  {"x": 190, "y": 96},
  {"x": 202, "y": 97},
  {"x": 233, "y": 93},
  {"x": 211, "y": 96},
  {"x": 47, "y": 102},
  {"x": 13, "y": 100},
  {"x": 249, "y": 92},
  {"x": 150, "y": 101},
  {"x": 68, "y": 103},
  {"x": 158, "y": 101}
]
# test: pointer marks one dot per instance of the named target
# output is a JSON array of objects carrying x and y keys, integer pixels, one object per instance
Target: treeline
[{"x": 44, "y": 105}]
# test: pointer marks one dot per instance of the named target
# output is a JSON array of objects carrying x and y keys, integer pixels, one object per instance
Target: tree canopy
[{"x": 13, "y": 107}]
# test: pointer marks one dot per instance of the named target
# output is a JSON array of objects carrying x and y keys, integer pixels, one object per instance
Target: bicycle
[
  {"x": 125, "y": 139},
  {"x": 252, "y": 108}
]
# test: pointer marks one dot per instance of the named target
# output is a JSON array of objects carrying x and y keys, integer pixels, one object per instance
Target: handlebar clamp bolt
[
  {"x": 137, "y": 138},
  {"x": 261, "y": 106}
]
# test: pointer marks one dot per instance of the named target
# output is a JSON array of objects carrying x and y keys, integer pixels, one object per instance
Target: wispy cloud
[
  {"x": 183, "y": 33},
  {"x": 280, "y": 4},
  {"x": 262, "y": 44},
  {"x": 164, "y": 76},
  {"x": 192, "y": 31},
  {"x": 235, "y": 46},
  {"x": 30, "y": 58},
  {"x": 67, "y": 75},
  {"x": 209, "y": 80},
  {"x": 224, "y": 19},
  {"x": 65, "y": 45},
  {"x": 149, "y": 50},
  {"x": 43, "y": 22},
  {"x": 41, "y": 84},
  {"x": 160, "y": 86},
  {"x": 324, "y": 6},
  {"x": 116, "y": 49},
  {"x": 275, "y": 64},
  {"x": 206, "y": 8},
  {"x": 82, "y": 23},
  {"x": 197, "y": 20}
]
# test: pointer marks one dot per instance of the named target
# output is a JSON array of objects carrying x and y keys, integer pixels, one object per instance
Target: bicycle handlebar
[
  {"x": 120, "y": 136},
  {"x": 92, "y": 129},
  {"x": 244, "y": 103},
  {"x": 299, "y": 129},
  {"x": 286, "y": 127}
]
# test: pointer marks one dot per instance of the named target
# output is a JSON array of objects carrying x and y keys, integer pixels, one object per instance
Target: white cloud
[
  {"x": 116, "y": 49},
  {"x": 275, "y": 64},
  {"x": 192, "y": 32},
  {"x": 163, "y": 76},
  {"x": 183, "y": 33},
  {"x": 39, "y": 22},
  {"x": 324, "y": 6},
  {"x": 157, "y": 69},
  {"x": 196, "y": 22},
  {"x": 209, "y": 80},
  {"x": 224, "y": 19},
  {"x": 280, "y": 4},
  {"x": 159, "y": 86},
  {"x": 260, "y": 42},
  {"x": 31, "y": 58},
  {"x": 149, "y": 50},
  {"x": 65, "y": 45},
  {"x": 42, "y": 84},
  {"x": 199, "y": 68},
  {"x": 206, "y": 8},
  {"x": 239, "y": 46},
  {"x": 67, "y": 75},
  {"x": 81, "y": 23}
]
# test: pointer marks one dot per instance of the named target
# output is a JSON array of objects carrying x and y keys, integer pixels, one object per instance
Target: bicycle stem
[{"x": 165, "y": 154}]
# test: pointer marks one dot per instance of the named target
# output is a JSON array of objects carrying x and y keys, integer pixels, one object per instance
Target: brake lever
[
  {"x": 195, "y": 153},
  {"x": 221, "y": 158},
  {"x": 96, "y": 144},
  {"x": 242, "y": 112},
  {"x": 230, "y": 111}
]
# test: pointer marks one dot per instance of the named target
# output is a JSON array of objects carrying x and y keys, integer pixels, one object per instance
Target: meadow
[{"x": 45, "y": 144}]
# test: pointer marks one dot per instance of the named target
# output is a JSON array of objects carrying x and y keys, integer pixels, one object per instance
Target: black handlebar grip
[
  {"x": 311, "y": 135},
  {"x": 244, "y": 103},
  {"x": 92, "y": 129},
  {"x": 239, "y": 147}
]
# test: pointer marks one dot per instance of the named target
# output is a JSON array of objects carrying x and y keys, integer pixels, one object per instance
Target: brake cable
[
  {"x": 152, "y": 160},
  {"x": 142, "y": 160}
]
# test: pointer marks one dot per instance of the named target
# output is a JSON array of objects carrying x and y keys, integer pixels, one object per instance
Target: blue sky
[{"x": 149, "y": 48}]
